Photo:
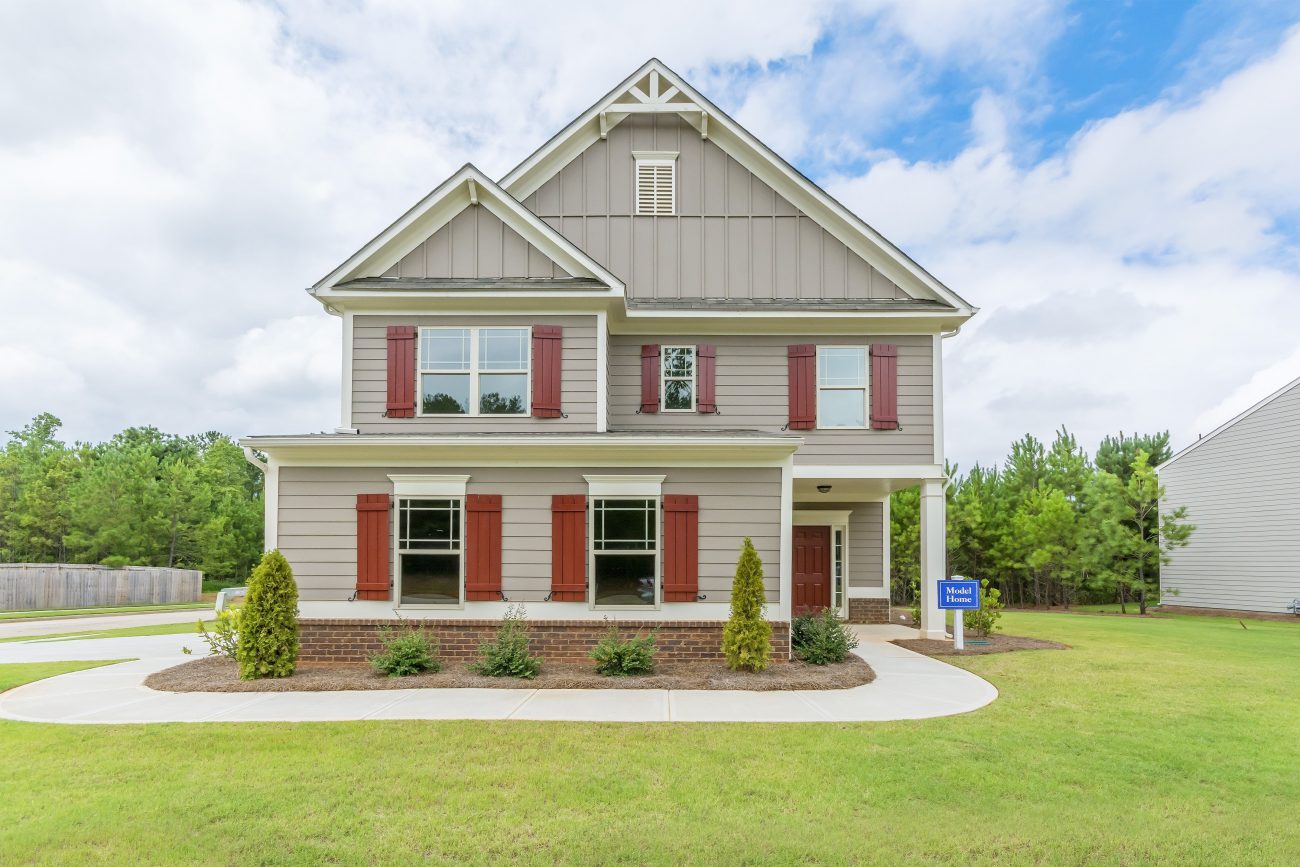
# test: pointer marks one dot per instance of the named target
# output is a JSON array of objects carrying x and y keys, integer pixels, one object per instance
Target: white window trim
[
  {"x": 413, "y": 491},
  {"x": 865, "y": 388},
  {"x": 664, "y": 378},
  {"x": 654, "y": 158},
  {"x": 624, "y": 493},
  {"x": 473, "y": 372},
  {"x": 838, "y": 521}
]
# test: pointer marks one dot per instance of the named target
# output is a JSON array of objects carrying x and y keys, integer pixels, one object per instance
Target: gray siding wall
[
  {"x": 476, "y": 244},
  {"x": 752, "y": 393},
  {"x": 733, "y": 236},
  {"x": 317, "y": 521},
  {"x": 866, "y": 540},
  {"x": 370, "y": 377},
  {"x": 1242, "y": 491}
]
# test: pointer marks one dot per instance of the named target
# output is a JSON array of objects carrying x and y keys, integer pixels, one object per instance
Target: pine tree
[
  {"x": 268, "y": 622},
  {"x": 747, "y": 637}
]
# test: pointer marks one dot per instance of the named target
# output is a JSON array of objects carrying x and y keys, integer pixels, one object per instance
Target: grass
[
  {"x": 17, "y": 673},
  {"x": 1171, "y": 740},
  {"x": 89, "y": 612},
  {"x": 126, "y": 632}
]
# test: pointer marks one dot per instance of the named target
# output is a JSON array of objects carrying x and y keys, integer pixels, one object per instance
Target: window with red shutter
[
  {"x": 372, "y": 546},
  {"x": 884, "y": 386},
  {"x": 803, "y": 386},
  {"x": 681, "y": 547},
  {"x": 482, "y": 547},
  {"x": 706, "y": 360},
  {"x": 401, "y": 371},
  {"x": 569, "y": 547},
  {"x": 650, "y": 378},
  {"x": 547, "y": 370}
]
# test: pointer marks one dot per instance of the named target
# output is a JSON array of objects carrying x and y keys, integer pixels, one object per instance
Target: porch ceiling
[{"x": 848, "y": 490}]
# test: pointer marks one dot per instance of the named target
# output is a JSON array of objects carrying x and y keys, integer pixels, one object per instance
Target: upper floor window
[
  {"x": 474, "y": 371},
  {"x": 842, "y": 386},
  {"x": 656, "y": 182},
  {"x": 679, "y": 378}
]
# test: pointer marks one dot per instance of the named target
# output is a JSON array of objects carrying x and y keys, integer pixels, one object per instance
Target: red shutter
[
  {"x": 650, "y": 378},
  {"x": 569, "y": 547},
  {"x": 483, "y": 547},
  {"x": 803, "y": 386},
  {"x": 401, "y": 371},
  {"x": 547, "y": 366},
  {"x": 706, "y": 360},
  {"x": 884, "y": 386},
  {"x": 372, "y": 546},
  {"x": 681, "y": 547}
]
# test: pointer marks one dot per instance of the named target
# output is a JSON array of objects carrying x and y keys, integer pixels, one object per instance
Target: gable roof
[
  {"x": 1231, "y": 422},
  {"x": 467, "y": 188},
  {"x": 630, "y": 97}
]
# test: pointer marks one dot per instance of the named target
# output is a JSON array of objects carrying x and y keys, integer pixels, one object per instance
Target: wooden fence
[{"x": 37, "y": 586}]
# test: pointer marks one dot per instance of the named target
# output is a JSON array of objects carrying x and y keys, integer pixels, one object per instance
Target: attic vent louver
[{"x": 656, "y": 182}]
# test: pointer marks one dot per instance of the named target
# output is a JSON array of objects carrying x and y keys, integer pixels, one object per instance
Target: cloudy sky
[{"x": 1115, "y": 185}]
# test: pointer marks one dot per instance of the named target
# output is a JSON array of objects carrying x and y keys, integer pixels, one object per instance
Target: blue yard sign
[{"x": 959, "y": 595}]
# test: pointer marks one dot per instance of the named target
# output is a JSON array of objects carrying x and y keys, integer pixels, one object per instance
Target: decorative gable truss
[{"x": 655, "y": 99}]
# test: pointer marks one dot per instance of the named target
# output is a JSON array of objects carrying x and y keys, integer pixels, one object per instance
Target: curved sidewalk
[{"x": 907, "y": 686}]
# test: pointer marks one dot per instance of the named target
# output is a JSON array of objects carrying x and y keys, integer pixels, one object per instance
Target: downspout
[{"x": 252, "y": 458}]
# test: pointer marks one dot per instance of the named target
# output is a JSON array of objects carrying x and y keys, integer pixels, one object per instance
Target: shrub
[
  {"x": 406, "y": 652},
  {"x": 507, "y": 654},
  {"x": 618, "y": 658},
  {"x": 984, "y": 621},
  {"x": 747, "y": 637},
  {"x": 223, "y": 640},
  {"x": 821, "y": 638},
  {"x": 268, "y": 621}
]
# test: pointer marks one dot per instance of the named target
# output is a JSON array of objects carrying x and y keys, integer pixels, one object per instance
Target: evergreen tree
[
  {"x": 268, "y": 621},
  {"x": 747, "y": 637},
  {"x": 1116, "y": 454}
]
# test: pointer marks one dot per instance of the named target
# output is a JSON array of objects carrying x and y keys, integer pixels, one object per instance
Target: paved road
[{"x": 56, "y": 625}]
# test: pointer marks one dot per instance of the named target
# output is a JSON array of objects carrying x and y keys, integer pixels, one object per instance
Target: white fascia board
[
  {"x": 877, "y": 471},
  {"x": 624, "y": 485},
  {"x": 1230, "y": 422},
  {"x": 758, "y": 158}
]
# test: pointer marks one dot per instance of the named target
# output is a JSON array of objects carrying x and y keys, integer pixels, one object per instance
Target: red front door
[{"x": 812, "y": 569}]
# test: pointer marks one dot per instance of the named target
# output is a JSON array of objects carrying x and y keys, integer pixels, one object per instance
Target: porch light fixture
[{"x": 823, "y": 489}]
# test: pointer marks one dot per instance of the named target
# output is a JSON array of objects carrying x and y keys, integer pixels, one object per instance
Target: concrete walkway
[
  {"x": 907, "y": 686},
  {"x": 88, "y": 623}
]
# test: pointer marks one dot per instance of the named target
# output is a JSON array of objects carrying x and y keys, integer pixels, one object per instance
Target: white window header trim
[
  {"x": 429, "y": 486},
  {"x": 624, "y": 486}
]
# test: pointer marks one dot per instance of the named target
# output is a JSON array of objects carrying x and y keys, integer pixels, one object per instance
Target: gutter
[{"x": 252, "y": 458}]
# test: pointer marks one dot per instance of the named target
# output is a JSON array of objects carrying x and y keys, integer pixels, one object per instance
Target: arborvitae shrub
[
  {"x": 268, "y": 621},
  {"x": 747, "y": 637},
  {"x": 406, "y": 652},
  {"x": 616, "y": 657}
]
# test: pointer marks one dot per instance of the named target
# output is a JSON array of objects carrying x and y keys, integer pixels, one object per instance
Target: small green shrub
[
  {"x": 747, "y": 637},
  {"x": 115, "y": 561},
  {"x": 821, "y": 638},
  {"x": 984, "y": 621},
  {"x": 507, "y": 654},
  {"x": 223, "y": 640},
  {"x": 616, "y": 657},
  {"x": 268, "y": 622},
  {"x": 406, "y": 652},
  {"x": 916, "y": 603}
]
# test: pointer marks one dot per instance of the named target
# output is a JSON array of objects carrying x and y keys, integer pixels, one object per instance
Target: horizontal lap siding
[
  {"x": 1242, "y": 492},
  {"x": 751, "y": 383},
  {"x": 318, "y": 521},
  {"x": 370, "y": 376}
]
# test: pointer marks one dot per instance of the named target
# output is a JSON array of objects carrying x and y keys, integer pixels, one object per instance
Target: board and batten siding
[
  {"x": 317, "y": 522},
  {"x": 866, "y": 563},
  {"x": 476, "y": 244},
  {"x": 752, "y": 393},
  {"x": 370, "y": 377},
  {"x": 732, "y": 236},
  {"x": 1242, "y": 492}
]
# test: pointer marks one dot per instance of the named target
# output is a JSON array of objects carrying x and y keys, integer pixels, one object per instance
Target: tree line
[
  {"x": 1052, "y": 526},
  {"x": 142, "y": 498}
]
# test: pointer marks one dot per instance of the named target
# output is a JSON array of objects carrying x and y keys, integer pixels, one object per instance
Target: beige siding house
[
  {"x": 1241, "y": 487},
  {"x": 581, "y": 387}
]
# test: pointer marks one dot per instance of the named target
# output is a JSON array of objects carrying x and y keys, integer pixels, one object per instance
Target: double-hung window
[
  {"x": 841, "y": 386},
  {"x": 474, "y": 371},
  {"x": 625, "y": 551},
  {"x": 679, "y": 378},
  {"x": 430, "y": 552}
]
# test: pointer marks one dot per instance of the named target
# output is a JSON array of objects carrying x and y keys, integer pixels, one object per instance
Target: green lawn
[
  {"x": 17, "y": 673},
  {"x": 1170, "y": 740},
  {"x": 125, "y": 632},
  {"x": 88, "y": 612}
]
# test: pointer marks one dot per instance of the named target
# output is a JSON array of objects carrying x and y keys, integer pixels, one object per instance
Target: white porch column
[{"x": 933, "y": 555}]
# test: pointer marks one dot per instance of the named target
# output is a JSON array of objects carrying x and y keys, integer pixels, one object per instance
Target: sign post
[{"x": 958, "y": 595}]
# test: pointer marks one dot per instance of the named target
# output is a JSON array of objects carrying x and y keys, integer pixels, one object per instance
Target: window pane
[
  {"x": 430, "y": 579},
  {"x": 435, "y": 526},
  {"x": 625, "y": 525},
  {"x": 841, "y": 408},
  {"x": 502, "y": 393},
  {"x": 446, "y": 393},
  {"x": 842, "y": 366},
  {"x": 444, "y": 349},
  {"x": 679, "y": 361},
  {"x": 625, "y": 579},
  {"x": 677, "y": 394},
  {"x": 503, "y": 349}
]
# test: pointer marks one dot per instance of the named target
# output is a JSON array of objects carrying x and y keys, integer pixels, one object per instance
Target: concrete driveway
[{"x": 55, "y": 625}]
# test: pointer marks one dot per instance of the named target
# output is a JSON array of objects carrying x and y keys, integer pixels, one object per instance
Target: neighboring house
[
  {"x": 1241, "y": 487},
  {"x": 582, "y": 386}
]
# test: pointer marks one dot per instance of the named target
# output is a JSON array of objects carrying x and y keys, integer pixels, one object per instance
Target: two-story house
[{"x": 580, "y": 387}]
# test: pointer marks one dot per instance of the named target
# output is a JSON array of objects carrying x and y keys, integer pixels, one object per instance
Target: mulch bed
[
  {"x": 216, "y": 674},
  {"x": 996, "y": 644}
]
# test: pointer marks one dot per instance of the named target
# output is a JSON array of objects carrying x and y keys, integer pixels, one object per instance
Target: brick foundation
[
  {"x": 868, "y": 611},
  {"x": 352, "y": 642}
]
